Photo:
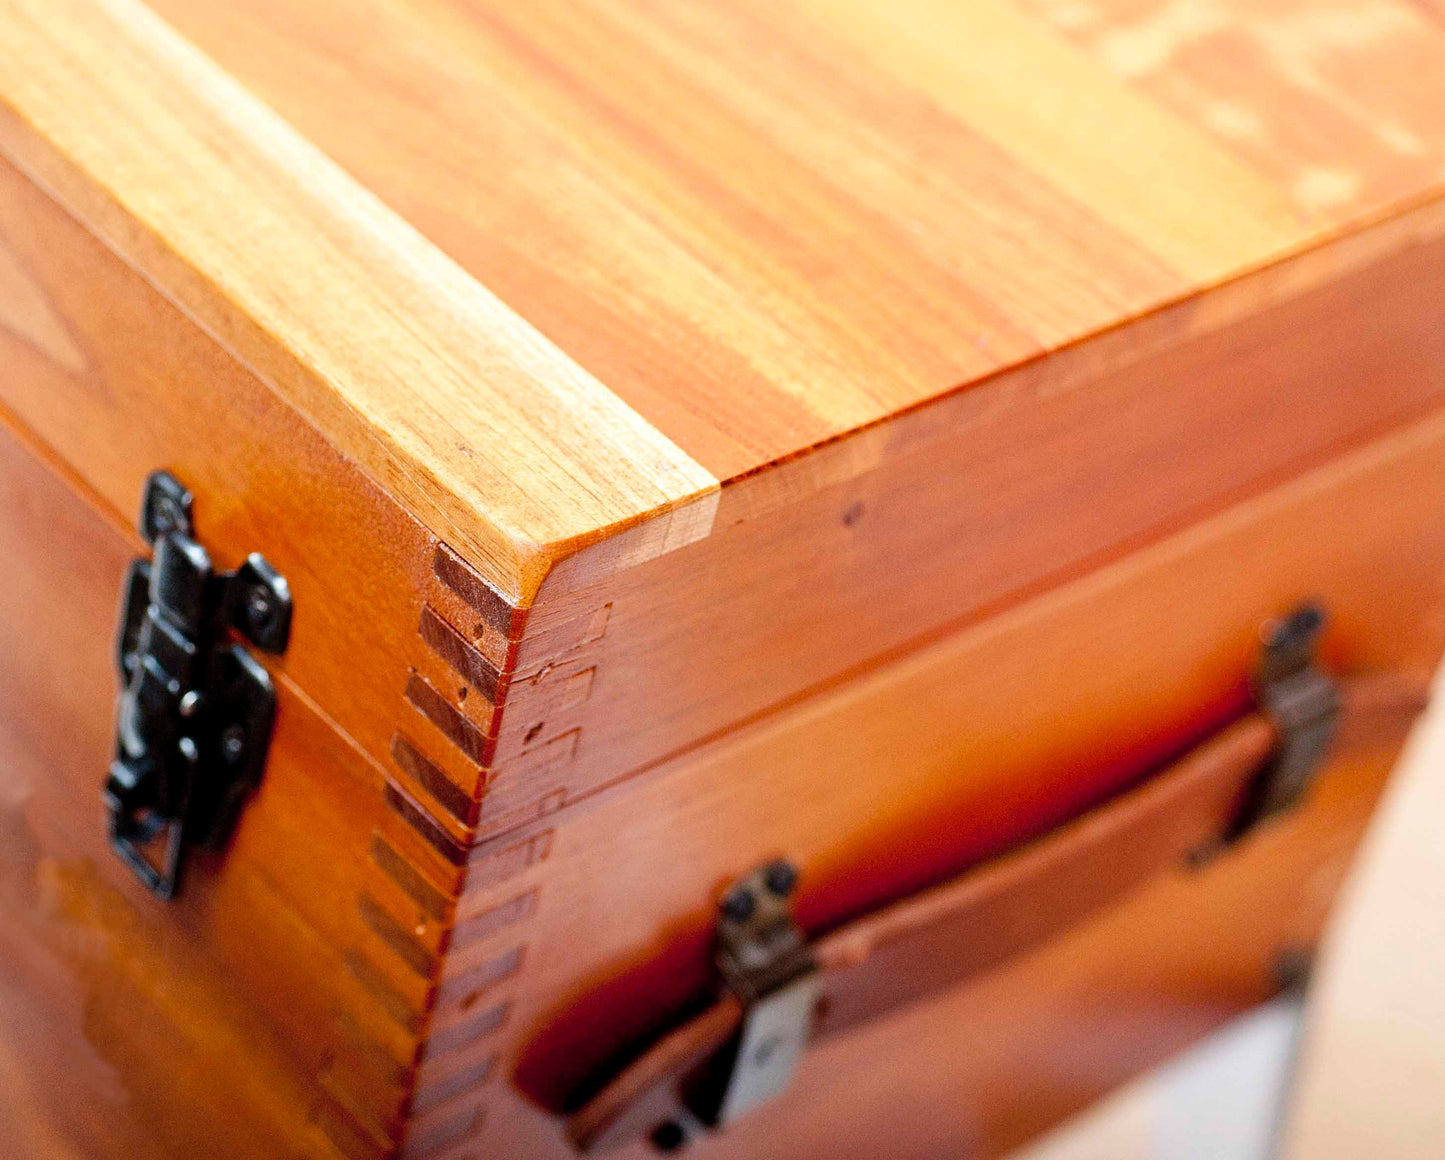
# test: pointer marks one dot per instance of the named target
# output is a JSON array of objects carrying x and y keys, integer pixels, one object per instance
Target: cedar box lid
[{"x": 553, "y": 270}]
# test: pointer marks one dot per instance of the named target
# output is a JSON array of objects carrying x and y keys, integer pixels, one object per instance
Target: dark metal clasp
[
  {"x": 764, "y": 959},
  {"x": 194, "y": 718},
  {"x": 1303, "y": 702}
]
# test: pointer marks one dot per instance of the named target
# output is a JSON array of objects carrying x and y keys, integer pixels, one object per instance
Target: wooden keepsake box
[{"x": 812, "y": 578}]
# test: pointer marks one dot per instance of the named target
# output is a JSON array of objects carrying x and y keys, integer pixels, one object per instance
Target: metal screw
[
  {"x": 1291, "y": 968},
  {"x": 668, "y": 1136},
  {"x": 168, "y": 516},
  {"x": 781, "y": 876},
  {"x": 233, "y": 744},
  {"x": 190, "y": 703},
  {"x": 738, "y": 905},
  {"x": 768, "y": 1048},
  {"x": 260, "y": 609}
]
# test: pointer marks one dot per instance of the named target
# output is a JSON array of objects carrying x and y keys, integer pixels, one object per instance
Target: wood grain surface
[
  {"x": 595, "y": 371},
  {"x": 765, "y": 224},
  {"x": 758, "y": 251},
  {"x": 346, "y": 977},
  {"x": 987, "y": 497},
  {"x": 936, "y": 940},
  {"x": 489, "y": 433},
  {"x": 129, "y": 1005},
  {"x": 957, "y": 751}
]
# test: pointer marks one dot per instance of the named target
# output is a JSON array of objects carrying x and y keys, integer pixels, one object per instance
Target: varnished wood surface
[
  {"x": 765, "y": 224},
  {"x": 962, "y": 749},
  {"x": 230, "y": 981},
  {"x": 489, "y": 433},
  {"x": 324, "y": 924},
  {"x": 983, "y": 1069},
  {"x": 941, "y": 937},
  {"x": 1005, "y": 490},
  {"x": 758, "y": 251},
  {"x": 614, "y": 242},
  {"x": 288, "y": 966},
  {"x": 311, "y": 951}
]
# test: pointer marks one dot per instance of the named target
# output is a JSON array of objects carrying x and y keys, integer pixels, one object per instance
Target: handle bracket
[
  {"x": 1302, "y": 701},
  {"x": 764, "y": 959}
]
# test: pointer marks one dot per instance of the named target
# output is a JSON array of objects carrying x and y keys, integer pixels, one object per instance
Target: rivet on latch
[
  {"x": 166, "y": 507},
  {"x": 233, "y": 744}
]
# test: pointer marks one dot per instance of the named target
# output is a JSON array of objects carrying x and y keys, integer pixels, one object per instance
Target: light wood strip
[{"x": 495, "y": 438}]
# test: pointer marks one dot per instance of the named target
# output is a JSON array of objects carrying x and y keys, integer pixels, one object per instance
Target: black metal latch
[
  {"x": 194, "y": 719},
  {"x": 764, "y": 958}
]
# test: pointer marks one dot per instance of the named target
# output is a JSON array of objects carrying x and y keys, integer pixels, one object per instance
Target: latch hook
[{"x": 194, "y": 718}]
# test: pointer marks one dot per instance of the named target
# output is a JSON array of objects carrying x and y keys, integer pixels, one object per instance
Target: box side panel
[
  {"x": 980, "y": 1069},
  {"x": 985, "y": 498},
  {"x": 956, "y": 752}
]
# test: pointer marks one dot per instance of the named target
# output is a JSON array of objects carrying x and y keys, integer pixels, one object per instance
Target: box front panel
[
  {"x": 279, "y": 1001},
  {"x": 117, "y": 382},
  {"x": 960, "y": 751},
  {"x": 950, "y": 513}
]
